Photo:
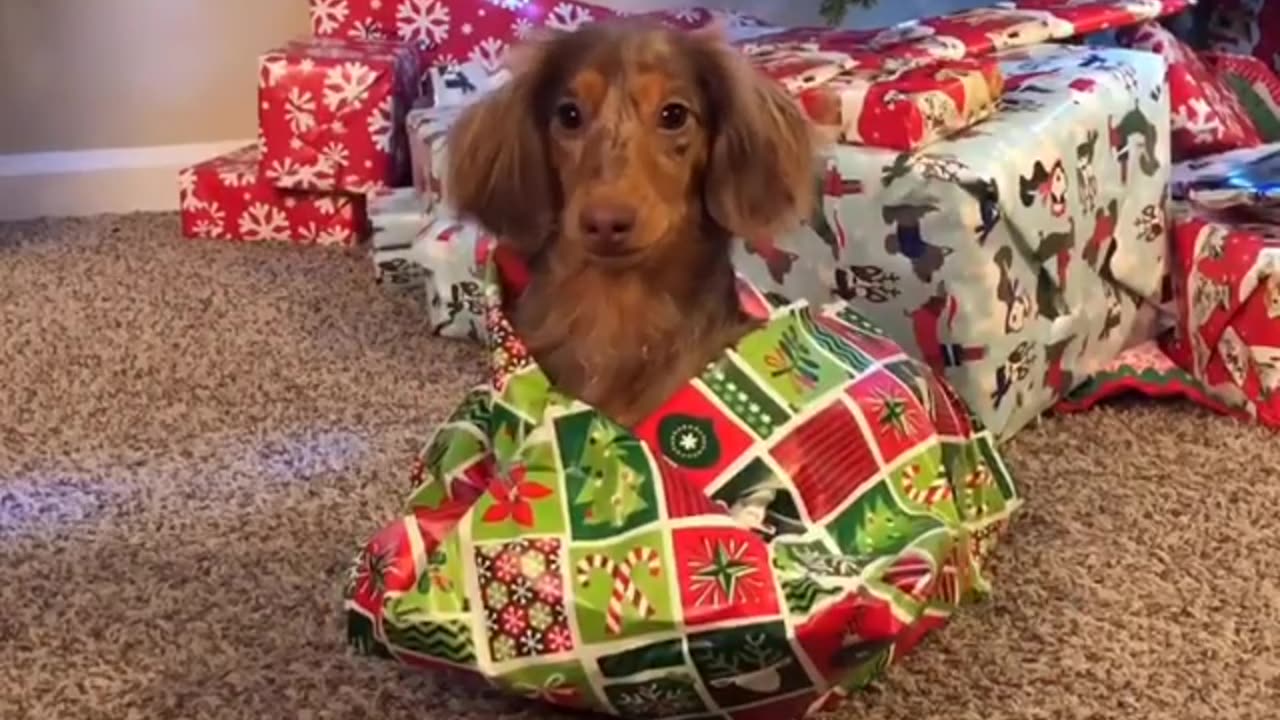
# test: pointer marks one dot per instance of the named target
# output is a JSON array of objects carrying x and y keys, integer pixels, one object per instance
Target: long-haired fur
[{"x": 678, "y": 131}]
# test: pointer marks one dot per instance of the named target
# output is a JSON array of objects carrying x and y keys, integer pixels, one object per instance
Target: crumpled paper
[
  {"x": 790, "y": 523},
  {"x": 1245, "y": 180}
]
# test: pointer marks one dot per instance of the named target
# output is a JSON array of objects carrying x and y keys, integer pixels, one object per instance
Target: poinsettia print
[
  {"x": 228, "y": 198},
  {"x": 1207, "y": 116},
  {"x": 331, "y": 113}
]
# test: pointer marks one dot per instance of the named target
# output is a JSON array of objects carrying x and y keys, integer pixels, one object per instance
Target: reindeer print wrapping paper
[
  {"x": 791, "y": 522},
  {"x": 432, "y": 257},
  {"x": 1012, "y": 258}
]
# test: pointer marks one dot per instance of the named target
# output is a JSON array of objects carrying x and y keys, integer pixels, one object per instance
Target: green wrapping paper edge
[{"x": 783, "y": 529}]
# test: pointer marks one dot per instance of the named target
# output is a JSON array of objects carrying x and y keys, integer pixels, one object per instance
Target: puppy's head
[{"x": 618, "y": 143}]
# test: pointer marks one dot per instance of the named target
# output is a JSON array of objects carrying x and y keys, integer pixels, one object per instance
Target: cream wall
[
  {"x": 81, "y": 74},
  {"x": 87, "y": 74}
]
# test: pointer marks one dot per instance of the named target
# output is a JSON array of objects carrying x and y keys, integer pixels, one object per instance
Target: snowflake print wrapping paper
[
  {"x": 1012, "y": 258},
  {"x": 226, "y": 198},
  {"x": 434, "y": 258},
  {"x": 792, "y": 521},
  {"x": 451, "y": 32},
  {"x": 331, "y": 113},
  {"x": 1207, "y": 116}
]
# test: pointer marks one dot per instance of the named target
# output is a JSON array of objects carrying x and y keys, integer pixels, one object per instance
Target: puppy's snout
[{"x": 607, "y": 226}]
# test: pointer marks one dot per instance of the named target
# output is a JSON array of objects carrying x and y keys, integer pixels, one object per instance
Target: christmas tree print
[
  {"x": 610, "y": 492},
  {"x": 875, "y": 525}
]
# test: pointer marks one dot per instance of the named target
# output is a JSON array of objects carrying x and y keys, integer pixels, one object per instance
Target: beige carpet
[{"x": 195, "y": 436}]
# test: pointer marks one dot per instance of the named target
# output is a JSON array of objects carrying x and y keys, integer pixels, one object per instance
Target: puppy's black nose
[{"x": 608, "y": 225}]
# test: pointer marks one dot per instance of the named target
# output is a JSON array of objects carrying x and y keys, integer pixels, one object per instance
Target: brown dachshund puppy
[{"x": 620, "y": 161}]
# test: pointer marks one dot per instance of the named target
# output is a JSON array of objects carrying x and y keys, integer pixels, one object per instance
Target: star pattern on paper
[
  {"x": 894, "y": 413},
  {"x": 722, "y": 573}
]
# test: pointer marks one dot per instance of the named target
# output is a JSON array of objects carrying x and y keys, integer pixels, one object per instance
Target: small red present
[
  {"x": 226, "y": 198},
  {"x": 866, "y": 97},
  {"x": 1227, "y": 283},
  {"x": 1207, "y": 117},
  {"x": 331, "y": 113},
  {"x": 906, "y": 109}
]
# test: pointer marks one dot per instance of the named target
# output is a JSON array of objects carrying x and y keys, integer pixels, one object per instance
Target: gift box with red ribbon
[
  {"x": 331, "y": 113},
  {"x": 227, "y": 198}
]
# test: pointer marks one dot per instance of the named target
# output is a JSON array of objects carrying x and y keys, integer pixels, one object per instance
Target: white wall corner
[{"x": 89, "y": 182}]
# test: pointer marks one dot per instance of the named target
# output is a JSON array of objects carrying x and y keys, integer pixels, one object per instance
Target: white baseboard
[{"x": 88, "y": 182}]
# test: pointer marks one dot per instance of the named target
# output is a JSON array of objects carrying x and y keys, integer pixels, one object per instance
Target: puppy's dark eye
[
  {"x": 673, "y": 116},
  {"x": 569, "y": 115}
]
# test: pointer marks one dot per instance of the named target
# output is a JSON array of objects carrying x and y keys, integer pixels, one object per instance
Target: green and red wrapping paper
[{"x": 790, "y": 523}]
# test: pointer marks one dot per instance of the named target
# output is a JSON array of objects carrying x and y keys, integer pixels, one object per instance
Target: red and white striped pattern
[
  {"x": 929, "y": 496},
  {"x": 624, "y": 590}
]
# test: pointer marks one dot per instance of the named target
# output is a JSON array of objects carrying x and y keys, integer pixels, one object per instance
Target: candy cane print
[
  {"x": 593, "y": 563},
  {"x": 624, "y": 585},
  {"x": 975, "y": 483},
  {"x": 928, "y": 496}
]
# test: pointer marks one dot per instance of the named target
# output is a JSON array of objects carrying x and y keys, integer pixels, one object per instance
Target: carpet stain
[{"x": 195, "y": 437}]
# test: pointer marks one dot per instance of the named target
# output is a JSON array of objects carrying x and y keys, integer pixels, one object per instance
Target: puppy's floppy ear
[
  {"x": 498, "y": 170},
  {"x": 760, "y": 174}
]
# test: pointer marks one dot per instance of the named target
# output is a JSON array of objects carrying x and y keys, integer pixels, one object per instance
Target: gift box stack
[{"x": 330, "y": 133}]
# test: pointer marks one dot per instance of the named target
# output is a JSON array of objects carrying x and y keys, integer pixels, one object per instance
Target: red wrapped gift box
[
  {"x": 905, "y": 109},
  {"x": 331, "y": 113},
  {"x": 226, "y": 198},
  {"x": 450, "y": 32},
  {"x": 1207, "y": 116},
  {"x": 1227, "y": 280}
]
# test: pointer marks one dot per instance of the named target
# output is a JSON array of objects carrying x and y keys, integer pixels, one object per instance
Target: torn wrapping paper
[
  {"x": 1207, "y": 117},
  {"x": 434, "y": 258},
  {"x": 860, "y": 96},
  {"x": 1247, "y": 27},
  {"x": 1012, "y": 258},
  {"x": 331, "y": 113},
  {"x": 450, "y": 32},
  {"x": 791, "y": 522},
  {"x": 1256, "y": 87},
  {"x": 226, "y": 198},
  {"x": 1247, "y": 181},
  {"x": 1227, "y": 280}
]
